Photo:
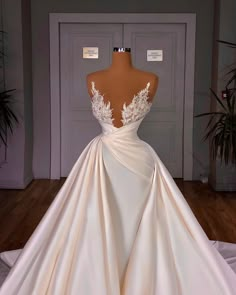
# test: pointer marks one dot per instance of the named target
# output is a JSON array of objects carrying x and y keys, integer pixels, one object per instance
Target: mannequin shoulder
[
  {"x": 153, "y": 79},
  {"x": 148, "y": 76},
  {"x": 96, "y": 77}
]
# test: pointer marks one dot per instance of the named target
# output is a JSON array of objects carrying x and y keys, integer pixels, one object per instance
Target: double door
[{"x": 157, "y": 48}]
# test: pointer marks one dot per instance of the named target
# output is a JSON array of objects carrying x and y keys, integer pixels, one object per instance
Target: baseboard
[
  {"x": 15, "y": 184},
  {"x": 222, "y": 186},
  {"x": 227, "y": 187},
  {"x": 223, "y": 177}
]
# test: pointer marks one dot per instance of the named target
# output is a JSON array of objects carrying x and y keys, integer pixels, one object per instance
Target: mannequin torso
[{"x": 120, "y": 82}]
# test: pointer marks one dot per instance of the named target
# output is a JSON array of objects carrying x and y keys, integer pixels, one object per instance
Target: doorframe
[{"x": 55, "y": 21}]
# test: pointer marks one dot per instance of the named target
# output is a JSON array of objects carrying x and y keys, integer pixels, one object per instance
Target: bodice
[{"x": 132, "y": 112}]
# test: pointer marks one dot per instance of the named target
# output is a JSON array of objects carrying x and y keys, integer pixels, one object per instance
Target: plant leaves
[
  {"x": 230, "y": 44},
  {"x": 218, "y": 99},
  {"x": 7, "y": 115},
  {"x": 208, "y": 114}
]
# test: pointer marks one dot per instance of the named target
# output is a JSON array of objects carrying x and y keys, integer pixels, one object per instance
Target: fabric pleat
[{"x": 120, "y": 226}]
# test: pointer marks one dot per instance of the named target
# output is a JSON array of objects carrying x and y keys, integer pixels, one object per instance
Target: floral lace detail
[
  {"x": 138, "y": 108},
  {"x": 101, "y": 111},
  {"x": 132, "y": 112}
]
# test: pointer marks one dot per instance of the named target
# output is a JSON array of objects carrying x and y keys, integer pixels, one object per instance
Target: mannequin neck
[{"x": 121, "y": 61}]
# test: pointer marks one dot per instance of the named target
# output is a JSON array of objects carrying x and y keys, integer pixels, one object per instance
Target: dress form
[
  {"x": 119, "y": 225},
  {"x": 120, "y": 82}
]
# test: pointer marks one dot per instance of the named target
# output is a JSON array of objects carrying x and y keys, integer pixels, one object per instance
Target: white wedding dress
[{"x": 119, "y": 225}]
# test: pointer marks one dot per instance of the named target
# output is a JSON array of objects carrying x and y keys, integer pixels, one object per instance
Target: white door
[
  {"x": 78, "y": 126},
  {"x": 163, "y": 127}
]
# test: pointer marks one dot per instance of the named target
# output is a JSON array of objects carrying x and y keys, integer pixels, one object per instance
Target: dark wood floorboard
[{"x": 21, "y": 210}]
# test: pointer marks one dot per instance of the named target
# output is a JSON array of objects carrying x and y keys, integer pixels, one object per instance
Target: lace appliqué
[
  {"x": 138, "y": 107},
  {"x": 132, "y": 112},
  {"x": 100, "y": 109}
]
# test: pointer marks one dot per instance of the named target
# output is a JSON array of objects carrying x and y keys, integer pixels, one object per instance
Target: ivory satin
[{"x": 119, "y": 225}]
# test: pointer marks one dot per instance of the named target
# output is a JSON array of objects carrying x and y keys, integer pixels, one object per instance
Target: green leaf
[
  {"x": 233, "y": 78},
  {"x": 218, "y": 99},
  {"x": 230, "y": 44},
  {"x": 7, "y": 115},
  {"x": 208, "y": 114}
]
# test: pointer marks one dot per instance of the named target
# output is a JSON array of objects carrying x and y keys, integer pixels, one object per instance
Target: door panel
[
  {"x": 163, "y": 127},
  {"x": 78, "y": 126}
]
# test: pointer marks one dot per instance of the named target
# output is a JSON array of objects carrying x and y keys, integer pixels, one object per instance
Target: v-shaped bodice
[{"x": 134, "y": 111}]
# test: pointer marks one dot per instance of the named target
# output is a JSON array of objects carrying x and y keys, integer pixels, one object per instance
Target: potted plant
[
  {"x": 221, "y": 127},
  {"x": 7, "y": 114}
]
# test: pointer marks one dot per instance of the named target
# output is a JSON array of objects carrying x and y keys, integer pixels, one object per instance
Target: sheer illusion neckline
[{"x": 131, "y": 112}]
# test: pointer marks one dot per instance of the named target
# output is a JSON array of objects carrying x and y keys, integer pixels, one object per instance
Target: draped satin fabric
[{"x": 119, "y": 225}]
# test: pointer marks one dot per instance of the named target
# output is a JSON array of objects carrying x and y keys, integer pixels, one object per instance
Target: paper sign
[
  {"x": 155, "y": 55},
  {"x": 90, "y": 52}
]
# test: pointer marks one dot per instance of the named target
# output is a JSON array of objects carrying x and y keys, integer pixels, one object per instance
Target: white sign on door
[
  {"x": 154, "y": 55},
  {"x": 90, "y": 52}
]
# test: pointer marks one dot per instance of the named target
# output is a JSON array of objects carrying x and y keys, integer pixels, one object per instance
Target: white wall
[{"x": 17, "y": 172}]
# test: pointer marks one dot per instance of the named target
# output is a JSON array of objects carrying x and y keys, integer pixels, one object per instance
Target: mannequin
[{"x": 120, "y": 82}]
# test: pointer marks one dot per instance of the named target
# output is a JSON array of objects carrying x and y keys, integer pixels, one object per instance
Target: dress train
[{"x": 119, "y": 225}]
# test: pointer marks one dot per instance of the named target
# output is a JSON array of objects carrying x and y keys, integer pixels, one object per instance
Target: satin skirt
[{"x": 118, "y": 225}]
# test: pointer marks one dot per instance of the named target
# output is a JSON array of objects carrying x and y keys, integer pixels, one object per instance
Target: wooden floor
[{"x": 21, "y": 210}]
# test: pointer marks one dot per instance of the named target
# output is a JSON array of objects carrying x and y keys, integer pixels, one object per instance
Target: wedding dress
[{"x": 119, "y": 225}]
